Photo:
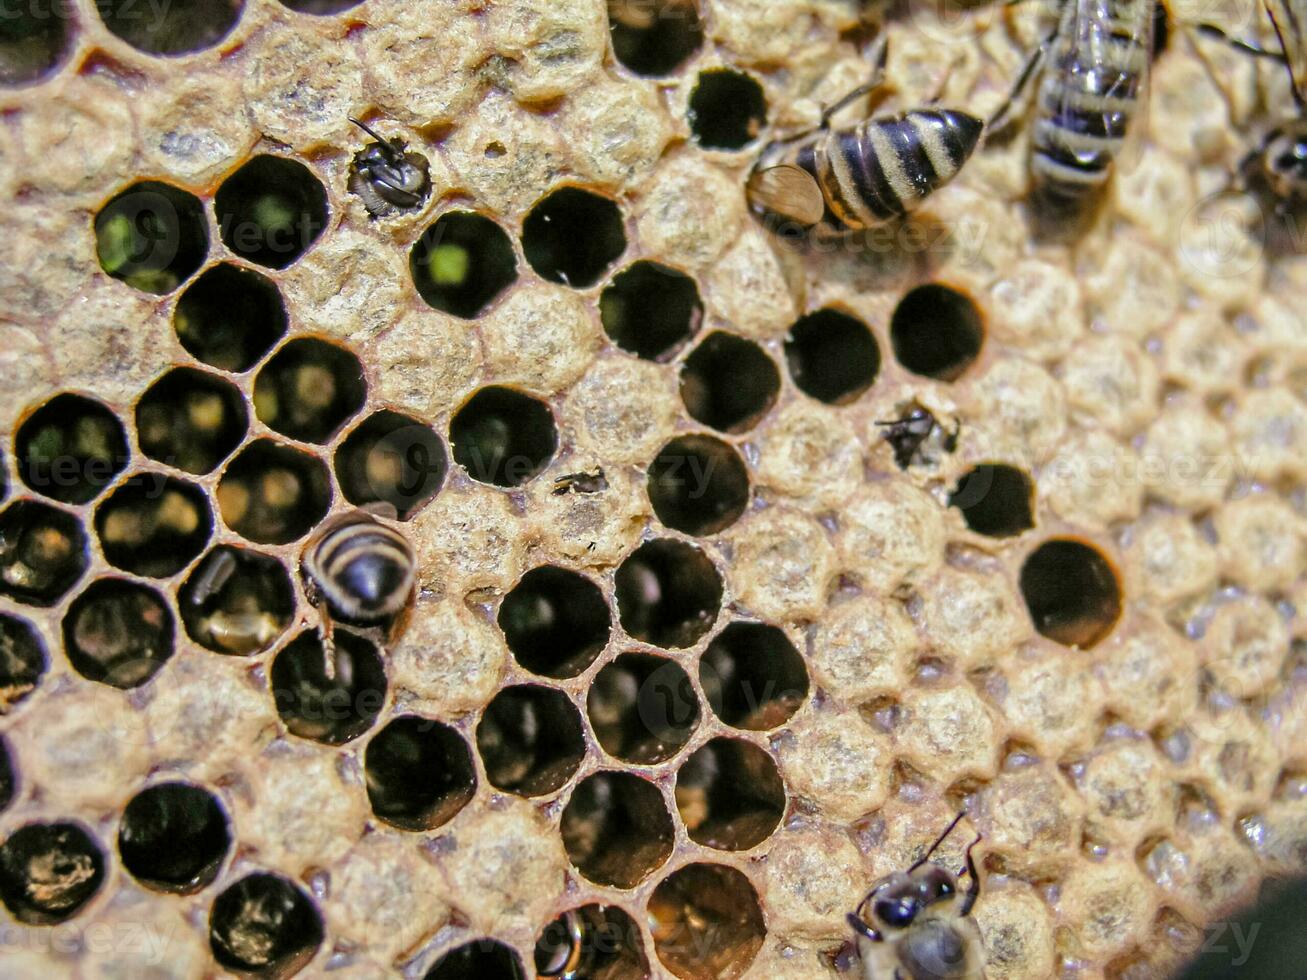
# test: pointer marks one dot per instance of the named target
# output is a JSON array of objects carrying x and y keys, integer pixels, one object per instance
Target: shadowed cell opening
[
  {"x": 730, "y": 795},
  {"x": 264, "y": 925},
  {"x": 729, "y": 383},
  {"x": 649, "y": 310},
  {"x": 8, "y": 775},
  {"x": 753, "y": 677},
  {"x": 42, "y": 552},
  {"x": 706, "y": 922},
  {"x": 654, "y": 37},
  {"x": 273, "y": 494},
  {"x": 616, "y": 829},
  {"x": 271, "y": 211},
  {"x": 174, "y": 28},
  {"x": 154, "y": 525},
  {"x": 35, "y": 40},
  {"x": 668, "y": 593},
  {"x": 555, "y": 622},
  {"x": 572, "y": 236},
  {"x": 937, "y": 332},
  {"x": 481, "y": 959},
  {"x": 22, "y": 661},
  {"x": 698, "y": 485},
  {"x": 320, "y": 8},
  {"x": 995, "y": 500},
  {"x": 642, "y": 708},
  {"x": 727, "y": 110},
  {"x": 309, "y": 389},
  {"x": 419, "y": 773},
  {"x": 1072, "y": 592},
  {"x": 152, "y": 236},
  {"x": 503, "y": 437},
  {"x": 173, "y": 837},
  {"x": 49, "y": 871},
  {"x": 191, "y": 420},
  {"x": 331, "y": 707},
  {"x": 230, "y": 317},
  {"x": 832, "y": 356},
  {"x": 592, "y": 941},
  {"x": 118, "y": 632},
  {"x": 530, "y": 740},
  {"x": 391, "y": 459},
  {"x": 70, "y": 449},
  {"x": 237, "y": 601},
  {"x": 462, "y": 263}
]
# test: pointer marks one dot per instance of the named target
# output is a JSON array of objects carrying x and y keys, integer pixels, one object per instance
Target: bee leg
[
  {"x": 879, "y": 59},
  {"x": 1239, "y": 44},
  {"x": 973, "y": 890},
  {"x": 1003, "y": 116}
]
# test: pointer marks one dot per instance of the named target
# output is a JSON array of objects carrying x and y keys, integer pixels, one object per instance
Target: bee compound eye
[{"x": 897, "y": 912}]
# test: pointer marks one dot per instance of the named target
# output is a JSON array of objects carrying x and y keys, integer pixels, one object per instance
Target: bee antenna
[
  {"x": 1288, "y": 61},
  {"x": 391, "y": 150},
  {"x": 861, "y": 928}
]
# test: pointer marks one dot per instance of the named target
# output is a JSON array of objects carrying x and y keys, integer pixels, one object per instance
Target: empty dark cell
[
  {"x": 237, "y": 601},
  {"x": 481, "y": 959},
  {"x": 230, "y": 317},
  {"x": 832, "y": 356},
  {"x": 592, "y": 941},
  {"x": 331, "y": 696},
  {"x": 706, "y": 922},
  {"x": 419, "y": 773},
  {"x": 118, "y": 632},
  {"x": 70, "y": 449},
  {"x": 49, "y": 871},
  {"x": 573, "y": 236},
  {"x": 753, "y": 676},
  {"x": 530, "y": 740},
  {"x": 173, "y": 837},
  {"x": 462, "y": 263},
  {"x": 271, "y": 211},
  {"x": 668, "y": 593},
  {"x": 264, "y": 925},
  {"x": 642, "y": 708},
  {"x": 698, "y": 485},
  {"x": 191, "y": 420},
  {"x": 152, "y": 236},
  {"x": 616, "y": 829},
  {"x": 309, "y": 389},
  {"x": 937, "y": 332},
  {"x": 727, "y": 110},
  {"x": 729, "y": 383},
  {"x": 995, "y": 500},
  {"x": 730, "y": 795},
  {"x": 654, "y": 37},
  {"x": 175, "y": 28},
  {"x": 42, "y": 552},
  {"x": 154, "y": 525},
  {"x": 22, "y": 661},
  {"x": 391, "y": 459},
  {"x": 555, "y": 621},
  {"x": 8, "y": 775},
  {"x": 502, "y": 436},
  {"x": 1072, "y": 592},
  {"x": 272, "y": 494},
  {"x": 35, "y": 38},
  {"x": 650, "y": 310}
]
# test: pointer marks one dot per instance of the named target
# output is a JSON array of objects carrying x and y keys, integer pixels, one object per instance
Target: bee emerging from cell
[
  {"x": 388, "y": 176},
  {"x": 917, "y": 437}
]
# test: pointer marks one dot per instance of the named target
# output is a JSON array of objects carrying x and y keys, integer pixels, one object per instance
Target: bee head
[
  {"x": 1286, "y": 161},
  {"x": 895, "y": 905}
]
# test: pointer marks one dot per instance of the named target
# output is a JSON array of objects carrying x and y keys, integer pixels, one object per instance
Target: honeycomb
[{"x": 697, "y": 652}]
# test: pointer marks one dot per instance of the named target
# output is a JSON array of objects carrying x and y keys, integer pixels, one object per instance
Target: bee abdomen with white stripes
[{"x": 363, "y": 568}]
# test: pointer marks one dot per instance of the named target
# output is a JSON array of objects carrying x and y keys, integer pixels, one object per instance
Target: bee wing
[
  {"x": 788, "y": 191},
  {"x": 1289, "y": 18}
]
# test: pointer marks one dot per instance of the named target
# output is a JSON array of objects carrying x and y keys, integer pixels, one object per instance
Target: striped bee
[
  {"x": 871, "y": 173},
  {"x": 387, "y": 176},
  {"x": 1280, "y": 161}
]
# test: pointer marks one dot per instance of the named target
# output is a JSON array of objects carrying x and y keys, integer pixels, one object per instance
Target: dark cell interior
[
  {"x": 8, "y": 775},
  {"x": 118, "y": 632},
  {"x": 42, "y": 552},
  {"x": 309, "y": 389},
  {"x": 572, "y": 236},
  {"x": 237, "y": 601},
  {"x": 264, "y": 925},
  {"x": 706, "y": 922},
  {"x": 530, "y": 740},
  {"x": 730, "y": 795},
  {"x": 668, "y": 593},
  {"x": 616, "y": 829},
  {"x": 329, "y": 695},
  {"x": 177, "y": 27},
  {"x": 753, "y": 677},
  {"x": 642, "y": 708},
  {"x": 49, "y": 871},
  {"x": 698, "y": 484},
  {"x": 191, "y": 420},
  {"x": 937, "y": 331},
  {"x": 654, "y": 37},
  {"x": 1072, "y": 592},
  {"x": 481, "y": 959},
  {"x": 555, "y": 621},
  {"x": 649, "y": 310},
  {"x": 503, "y": 436},
  {"x": 727, "y": 110},
  {"x": 462, "y": 263},
  {"x": 729, "y": 383},
  {"x": 273, "y": 494},
  {"x": 230, "y": 317},
  {"x": 152, "y": 236},
  {"x": 173, "y": 837},
  {"x": 995, "y": 500},
  {"x": 35, "y": 40},
  {"x": 22, "y": 661},
  {"x": 419, "y": 773},
  {"x": 154, "y": 525},
  {"x": 271, "y": 211},
  {"x": 598, "y": 941},
  {"x": 70, "y": 449},
  {"x": 392, "y": 459},
  {"x": 832, "y": 356}
]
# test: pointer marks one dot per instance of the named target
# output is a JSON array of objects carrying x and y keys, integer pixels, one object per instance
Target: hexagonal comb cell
[
  {"x": 35, "y": 42},
  {"x": 419, "y": 773},
  {"x": 937, "y": 331},
  {"x": 22, "y": 661},
  {"x": 642, "y": 708},
  {"x": 530, "y": 740},
  {"x": 727, "y": 110},
  {"x": 70, "y": 449},
  {"x": 271, "y": 211},
  {"x": 331, "y": 694},
  {"x": 729, "y": 794},
  {"x": 832, "y": 356},
  {"x": 753, "y": 677},
  {"x": 152, "y": 236},
  {"x": 654, "y": 37},
  {"x": 237, "y": 601},
  {"x": 995, "y": 499},
  {"x": 555, "y": 621},
  {"x": 706, "y": 922},
  {"x": 154, "y": 525},
  {"x": 482, "y": 959},
  {"x": 191, "y": 420},
  {"x": 391, "y": 459},
  {"x": 118, "y": 632},
  {"x": 650, "y": 310},
  {"x": 8, "y": 775},
  {"x": 309, "y": 389},
  {"x": 230, "y": 317},
  {"x": 729, "y": 383},
  {"x": 698, "y": 485},
  {"x": 176, "y": 28},
  {"x": 1072, "y": 592},
  {"x": 616, "y": 829},
  {"x": 273, "y": 494},
  {"x": 668, "y": 593},
  {"x": 173, "y": 837},
  {"x": 264, "y": 925},
  {"x": 592, "y": 941},
  {"x": 572, "y": 236},
  {"x": 462, "y": 263},
  {"x": 49, "y": 871},
  {"x": 503, "y": 436},
  {"x": 42, "y": 552}
]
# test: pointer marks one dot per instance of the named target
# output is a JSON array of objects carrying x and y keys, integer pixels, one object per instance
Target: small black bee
[
  {"x": 587, "y": 482},
  {"x": 389, "y": 177},
  {"x": 907, "y": 434}
]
